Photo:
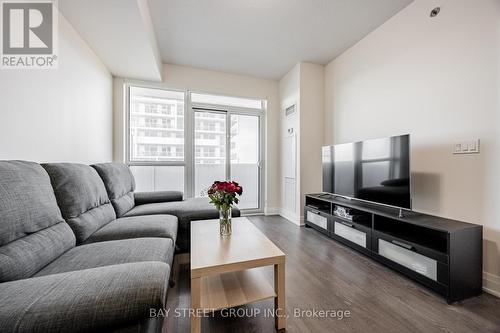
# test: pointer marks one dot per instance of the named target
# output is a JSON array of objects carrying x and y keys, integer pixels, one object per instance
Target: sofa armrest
[{"x": 142, "y": 198}]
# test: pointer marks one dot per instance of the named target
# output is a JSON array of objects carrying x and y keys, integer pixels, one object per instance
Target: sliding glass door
[
  {"x": 210, "y": 160},
  {"x": 245, "y": 156},
  {"x": 181, "y": 140},
  {"x": 227, "y": 147}
]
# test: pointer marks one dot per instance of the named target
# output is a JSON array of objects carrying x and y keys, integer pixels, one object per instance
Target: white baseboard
[
  {"x": 491, "y": 284},
  {"x": 290, "y": 216},
  {"x": 271, "y": 211}
]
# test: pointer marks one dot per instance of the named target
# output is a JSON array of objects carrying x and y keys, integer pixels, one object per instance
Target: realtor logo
[{"x": 29, "y": 31}]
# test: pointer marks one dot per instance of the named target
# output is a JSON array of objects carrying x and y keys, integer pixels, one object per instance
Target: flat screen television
[{"x": 375, "y": 170}]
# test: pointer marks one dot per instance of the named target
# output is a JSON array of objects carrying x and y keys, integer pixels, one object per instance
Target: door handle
[
  {"x": 350, "y": 225},
  {"x": 404, "y": 245}
]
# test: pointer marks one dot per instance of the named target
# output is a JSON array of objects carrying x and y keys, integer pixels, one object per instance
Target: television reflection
[{"x": 373, "y": 170}]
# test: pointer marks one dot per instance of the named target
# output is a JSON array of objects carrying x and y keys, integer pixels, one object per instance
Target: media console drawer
[
  {"x": 405, "y": 257},
  {"x": 353, "y": 235},
  {"x": 317, "y": 219}
]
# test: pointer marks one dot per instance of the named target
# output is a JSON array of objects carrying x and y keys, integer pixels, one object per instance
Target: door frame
[
  {"x": 189, "y": 136},
  {"x": 229, "y": 110}
]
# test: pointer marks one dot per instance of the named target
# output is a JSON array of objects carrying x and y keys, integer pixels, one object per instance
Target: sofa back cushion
[
  {"x": 120, "y": 185},
  {"x": 82, "y": 197},
  {"x": 32, "y": 230}
]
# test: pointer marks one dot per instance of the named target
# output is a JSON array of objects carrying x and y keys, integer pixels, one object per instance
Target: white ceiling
[
  {"x": 263, "y": 38},
  {"x": 120, "y": 32}
]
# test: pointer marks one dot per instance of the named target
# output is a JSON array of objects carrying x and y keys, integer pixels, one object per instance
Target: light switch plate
[
  {"x": 467, "y": 147},
  {"x": 474, "y": 146}
]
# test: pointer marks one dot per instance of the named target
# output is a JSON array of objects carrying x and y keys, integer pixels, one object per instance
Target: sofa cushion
[
  {"x": 186, "y": 211},
  {"x": 82, "y": 197},
  {"x": 142, "y": 198},
  {"x": 32, "y": 230},
  {"x": 90, "y": 300},
  {"x": 24, "y": 257},
  {"x": 120, "y": 185},
  {"x": 112, "y": 253},
  {"x": 27, "y": 201},
  {"x": 163, "y": 226}
]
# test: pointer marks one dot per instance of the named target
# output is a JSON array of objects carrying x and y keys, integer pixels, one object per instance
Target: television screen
[{"x": 373, "y": 170}]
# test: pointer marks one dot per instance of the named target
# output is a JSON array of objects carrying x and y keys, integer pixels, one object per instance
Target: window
[
  {"x": 214, "y": 116},
  {"x": 158, "y": 178},
  {"x": 156, "y": 139},
  {"x": 226, "y": 101},
  {"x": 156, "y": 125},
  {"x": 225, "y": 135}
]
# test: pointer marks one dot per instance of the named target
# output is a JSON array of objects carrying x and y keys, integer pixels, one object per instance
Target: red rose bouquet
[{"x": 223, "y": 195}]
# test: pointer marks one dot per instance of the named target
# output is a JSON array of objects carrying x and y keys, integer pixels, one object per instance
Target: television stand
[
  {"x": 442, "y": 254},
  {"x": 333, "y": 196}
]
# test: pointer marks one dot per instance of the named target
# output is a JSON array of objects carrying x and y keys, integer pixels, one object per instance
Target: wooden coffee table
[{"x": 227, "y": 272}]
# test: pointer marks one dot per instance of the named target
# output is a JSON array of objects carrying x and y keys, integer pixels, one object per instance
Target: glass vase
[{"x": 225, "y": 222}]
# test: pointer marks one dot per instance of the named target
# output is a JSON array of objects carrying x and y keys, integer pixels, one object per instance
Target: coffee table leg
[
  {"x": 195, "y": 305},
  {"x": 279, "y": 301}
]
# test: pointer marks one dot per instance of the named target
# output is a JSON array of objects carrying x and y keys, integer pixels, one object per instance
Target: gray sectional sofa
[
  {"x": 80, "y": 251},
  {"x": 120, "y": 186}
]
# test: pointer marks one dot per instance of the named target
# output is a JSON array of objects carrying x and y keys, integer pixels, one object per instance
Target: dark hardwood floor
[{"x": 325, "y": 275}]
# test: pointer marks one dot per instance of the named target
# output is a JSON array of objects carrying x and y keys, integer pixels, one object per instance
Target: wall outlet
[{"x": 467, "y": 147}]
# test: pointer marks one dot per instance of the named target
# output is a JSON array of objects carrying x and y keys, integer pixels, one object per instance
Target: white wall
[
  {"x": 289, "y": 94},
  {"x": 64, "y": 114},
  {"x": 200, "y": 80},
  {"x": 303, "y": 86},
  {"x": 312, "y": 91},
  {"x": 437, "y": 79}
]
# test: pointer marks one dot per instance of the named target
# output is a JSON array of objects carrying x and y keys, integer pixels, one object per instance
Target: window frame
[
  {"x": 189, "y": 135},
  {"x": 128, "y": 160},
  {"x": 184, "y": 163},
  {"x": 234, "y": 110}
]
